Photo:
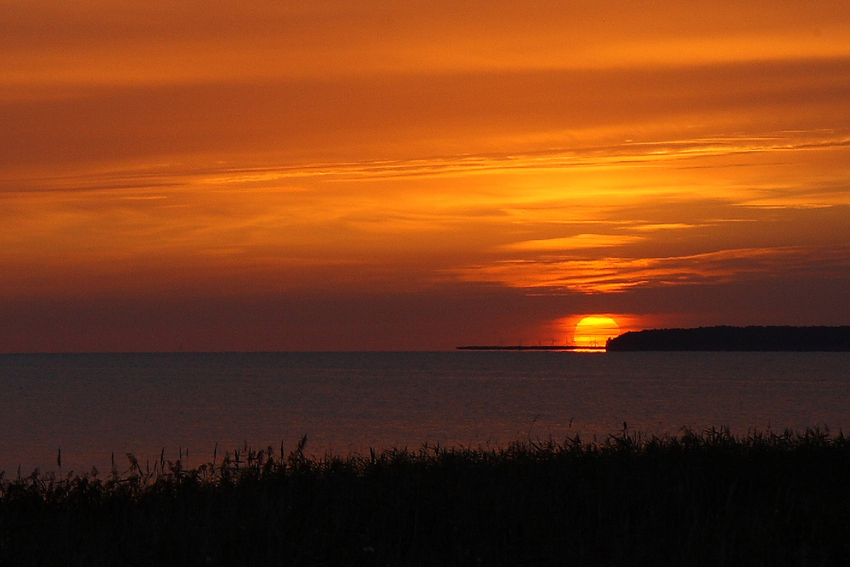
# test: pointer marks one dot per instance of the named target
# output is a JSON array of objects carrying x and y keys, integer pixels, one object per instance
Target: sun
[{"x": 594, "y": 331}]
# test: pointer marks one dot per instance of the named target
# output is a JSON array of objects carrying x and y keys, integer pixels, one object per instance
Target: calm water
[{"x": 95, "y": 404}]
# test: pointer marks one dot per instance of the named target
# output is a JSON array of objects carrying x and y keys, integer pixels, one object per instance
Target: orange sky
[{"x": 417, "y": 175}]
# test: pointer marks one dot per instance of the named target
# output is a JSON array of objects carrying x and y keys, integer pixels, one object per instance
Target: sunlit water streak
[{"x": 92, "y": 405}]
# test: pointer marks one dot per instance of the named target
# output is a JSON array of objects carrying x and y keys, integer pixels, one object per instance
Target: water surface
[{"x": 94, "y": 405}]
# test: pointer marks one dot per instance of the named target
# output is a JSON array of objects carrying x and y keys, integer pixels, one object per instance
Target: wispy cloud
[
  {"x": 577, "y": 157},
  {"x": 606, "y": 275},
  {"x": 577, "y": 242},
  {"x": 652, "y": 227}
]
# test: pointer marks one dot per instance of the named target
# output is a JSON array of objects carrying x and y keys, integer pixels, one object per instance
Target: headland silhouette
[{"x": 727, "y": 338}]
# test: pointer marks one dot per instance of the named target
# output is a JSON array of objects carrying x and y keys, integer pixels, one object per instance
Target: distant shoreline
[
  {"x": 539, "y": 347},
  {"x": 722, "y": 338},
  {"x": 736, "y": 339}
]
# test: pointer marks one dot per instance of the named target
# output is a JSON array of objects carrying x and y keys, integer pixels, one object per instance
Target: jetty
[{"x": 573, "y": 348}]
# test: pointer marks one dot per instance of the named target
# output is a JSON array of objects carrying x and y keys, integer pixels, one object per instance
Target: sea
[{"x": 67, "y": 413}]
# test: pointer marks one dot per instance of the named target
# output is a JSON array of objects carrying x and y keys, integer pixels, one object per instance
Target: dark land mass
[
  {"x": 692, "y": 499},
  {"x": 794, "y": 339}
]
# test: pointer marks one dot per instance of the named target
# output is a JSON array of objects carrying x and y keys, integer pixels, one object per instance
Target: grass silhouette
[{"x": 695, "y": 498}]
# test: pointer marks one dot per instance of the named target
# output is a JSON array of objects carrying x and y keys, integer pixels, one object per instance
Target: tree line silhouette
[{"x": 727, "y": 338}]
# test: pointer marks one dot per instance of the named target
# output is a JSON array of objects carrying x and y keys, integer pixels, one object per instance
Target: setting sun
[{"x": 594, "y": 331}]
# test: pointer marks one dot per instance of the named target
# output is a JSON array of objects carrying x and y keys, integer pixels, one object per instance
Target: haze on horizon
[{"x": 417, "y": 175}]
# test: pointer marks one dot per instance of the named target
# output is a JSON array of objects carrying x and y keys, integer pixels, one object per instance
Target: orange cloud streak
[{"x": 607, "y": 275}]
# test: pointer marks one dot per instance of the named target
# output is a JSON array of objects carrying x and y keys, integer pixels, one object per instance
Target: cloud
[
  {"x": 107, "y": 42},
  {"x": 652, "y": 227},
  {"x": 577, "y": 242},
  {"x": 607, "y": 275}
]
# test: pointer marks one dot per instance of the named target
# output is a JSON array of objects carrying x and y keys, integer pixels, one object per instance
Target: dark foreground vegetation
[
  {"x": 691, "y": 499},
  {"x": 725, "y": 338}
]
